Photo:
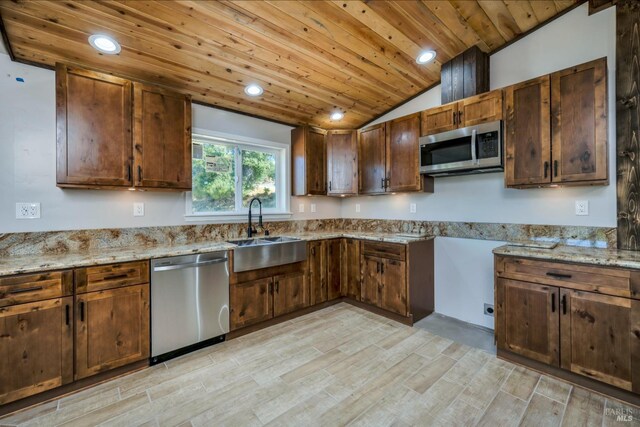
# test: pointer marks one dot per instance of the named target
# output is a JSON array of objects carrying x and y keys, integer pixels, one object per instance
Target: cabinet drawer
[
  {"x": 610, "y": 281},
  {"x": 385, "y": 250},
  {"x": 35, "y": 287},
  {"x": 111, "y": 276}
]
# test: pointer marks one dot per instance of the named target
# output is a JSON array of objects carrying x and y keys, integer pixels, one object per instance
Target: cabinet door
[
  {"x": 393, "y": 287},
  {"x": 342, "y": 162},
  {"x": 316, "y": 162},
  {"x": 317, "y": 265},
  {"x": 371, "y": 267},
  {"x": 350, "y": 283},
  {"x": 290, "y": 293},
  {"x": 597, "y": 339},
  {"x": 112, "y": 329},
  {"x": 36, "y": 351},
  {"x": 250, "y": 302},
  {"x": 403, "y": 163},
  {"x": 483, "y": 108},
  {"x": 527, "y": 133},
  {"x": 334, "y": 268},
  {"x": 94, "y": 140},
  {"x": 579, "y": 123},
  {"x": 162, "y": 138},
  {"x": 527, "y": 320},
  {"x": 371, "y": 160},
  {"x": 439, "y": 119}
]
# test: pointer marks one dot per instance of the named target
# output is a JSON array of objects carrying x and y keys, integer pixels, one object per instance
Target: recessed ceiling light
[
  {"x": 426, "y": 56},
  {"x": 104, "y": 44},
  {"x": 253, "y": 90},
  {"x": 337, "y": 115}
]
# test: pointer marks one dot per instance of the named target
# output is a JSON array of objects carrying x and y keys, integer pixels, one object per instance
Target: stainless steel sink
[{"x": 253, "y": 254}]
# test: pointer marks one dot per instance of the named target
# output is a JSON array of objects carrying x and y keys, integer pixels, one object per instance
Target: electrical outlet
[
  {"x": 313, "y": 207},
  {"x": 27, "y": 210},
  {"x": 488, "y": 310},
  {"x": 412, "y": 208},
  {"x": 138, "y": 209},
  {"x": 582, "y": 207},
  {"x": 357, "y": 207},
  {"x": 301, "y": 208}
]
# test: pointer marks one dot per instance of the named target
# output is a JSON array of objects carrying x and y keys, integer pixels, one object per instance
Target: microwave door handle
[{"x": 473, "y": 147}]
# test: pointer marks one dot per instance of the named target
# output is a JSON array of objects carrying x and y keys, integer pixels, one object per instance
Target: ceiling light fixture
[
  {"x": 337, "y": 115},
  {"x": 426, "y": 56},
  {"x": 253, "y": 90},
  {"x": 104, "y": 44}
]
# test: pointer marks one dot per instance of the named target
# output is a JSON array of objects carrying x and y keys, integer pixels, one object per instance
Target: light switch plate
[
  {"x": 357, "y": 207},
  {"x": 582, "y": 207},
  {"x": 301, "y": 207},
  {"x": 412, "y": 208},
  {"x": 138, "y": 209},
  {"x": 27, "y": 210},
  {"x": 313, "y": 207}
]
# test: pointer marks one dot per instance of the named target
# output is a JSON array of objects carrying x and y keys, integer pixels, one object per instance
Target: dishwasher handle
[{"x": 189, "y": 264}]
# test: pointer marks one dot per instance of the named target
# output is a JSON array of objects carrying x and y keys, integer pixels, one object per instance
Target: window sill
[{"x": 222, "y": 218}]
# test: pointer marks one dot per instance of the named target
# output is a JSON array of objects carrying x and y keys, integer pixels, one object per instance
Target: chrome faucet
[{"x": 250, "y": 229}]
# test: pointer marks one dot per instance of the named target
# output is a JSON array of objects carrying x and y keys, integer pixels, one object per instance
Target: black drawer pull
[
  {"x": 25, "y": 290},
  {"x": 555, "y": 168},
  {"x": 67, "y": 317},
  {"x": 559, "y": 275},
  {"x": 564, "y": 304},
  {"x": 546, "y": 169},
  {"x": 82, "y": 311},
  {"x": 553, "y": 303},
  {"x": 116, "y": 277}
]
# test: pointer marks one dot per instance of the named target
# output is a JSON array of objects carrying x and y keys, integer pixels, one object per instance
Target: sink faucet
[{"x": 250, "y": 229}]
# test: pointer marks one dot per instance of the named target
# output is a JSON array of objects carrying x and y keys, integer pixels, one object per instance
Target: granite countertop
[
  {"x": 38, "y": 263},
  {"x": 581, "y": 255}
]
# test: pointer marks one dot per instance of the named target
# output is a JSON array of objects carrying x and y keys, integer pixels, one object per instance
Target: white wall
[
  {"x": 28, "y": 164},
  {"x": 570, "y": 40}
]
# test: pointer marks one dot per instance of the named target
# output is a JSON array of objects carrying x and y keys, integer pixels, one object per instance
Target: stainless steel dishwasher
[{"x": 189, "y": 303}]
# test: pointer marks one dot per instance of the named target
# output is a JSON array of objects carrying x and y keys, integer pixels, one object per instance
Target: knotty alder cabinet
[
  {"x": 556, "y": 128},
  {"x": 308, "y": 161},
  {"x": 113, "y": 133},
  {"x": 38, "y": 316},
  {"x": 581, "y": 319},
  {"x": 342, "y": 162},
  {"x": 324, "y": 269}
]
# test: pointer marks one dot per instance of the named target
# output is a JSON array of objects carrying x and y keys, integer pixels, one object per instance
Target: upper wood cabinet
[
  {"x": 94, "y": 125},
  {"x": 556, "y": 128},
  {"x": 342, "y": 162},
  {"x": 372, "y": 160},
  {"x": 483, "y": 108},
  {"x": 97, "y": 133},
  {"x": 162, "y": 136},
  {"x": 402, "y": 157},
  {"x": 308, "y": 161}
]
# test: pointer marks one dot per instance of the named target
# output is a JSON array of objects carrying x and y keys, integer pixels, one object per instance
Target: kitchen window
[{"x": 229, "y": 171}]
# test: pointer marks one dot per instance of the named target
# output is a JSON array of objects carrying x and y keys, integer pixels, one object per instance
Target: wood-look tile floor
[{"x": 338, "y": 366}]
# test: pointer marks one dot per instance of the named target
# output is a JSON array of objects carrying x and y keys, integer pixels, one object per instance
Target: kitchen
[{"x": 297, "y": 356}]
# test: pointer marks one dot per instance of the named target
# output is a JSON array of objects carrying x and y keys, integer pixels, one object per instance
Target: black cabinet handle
[
  {"x": 24, "y": 290},
  {"x": 454, "y": 118},
  {"x": 139, "y": 173},
  {"x": 382, "y": 182},
  {"x": 67, "y": 316},
  {"x": 382, "y": 267},
  {"x": 559, "y": 275},
  {"x": 329, "y": 185},
  {"x": 459, "y": 117},
  {"x": 546, "y": 169},
  {"x": 564, "y": 304},
  {"x": 128, "y": 171},
  {"x": 278, "y": 287},
  {"x": 553, "y": 303},
  {"x": 82, "y": 311},
  {"x": 555, "y": 168}
]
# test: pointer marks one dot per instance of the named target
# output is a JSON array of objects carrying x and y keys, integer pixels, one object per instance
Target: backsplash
[{"x": 60, "y": 242}]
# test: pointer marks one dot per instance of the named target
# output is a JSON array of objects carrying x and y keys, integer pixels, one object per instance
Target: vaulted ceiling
[{"x": 311, "y": 57}]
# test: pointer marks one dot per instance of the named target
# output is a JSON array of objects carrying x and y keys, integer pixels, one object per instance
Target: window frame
[{"x": 282, "y": 153}]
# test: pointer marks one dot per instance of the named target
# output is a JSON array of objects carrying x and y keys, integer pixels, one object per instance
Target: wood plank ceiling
[{"x": 311, "y": 57}]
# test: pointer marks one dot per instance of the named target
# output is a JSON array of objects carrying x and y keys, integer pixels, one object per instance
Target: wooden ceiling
[{"x": 311, "y": 57}]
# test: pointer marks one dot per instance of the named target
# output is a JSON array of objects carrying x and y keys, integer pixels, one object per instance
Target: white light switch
[
  {"x": 313, "y": 207},
  {"x": 582, "y": 207},
  {"x": 357, "y": 207},
  {"x": 27, "y": 210},
  {"x": 412, "y": 208},
  {"x": 138, "y": 209},
  {"x": 301, "y": 207}
]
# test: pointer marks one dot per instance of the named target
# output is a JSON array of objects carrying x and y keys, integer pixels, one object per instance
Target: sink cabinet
[
  {"x": 290, "y": 293},
  {"x": 250, "y": 302}
]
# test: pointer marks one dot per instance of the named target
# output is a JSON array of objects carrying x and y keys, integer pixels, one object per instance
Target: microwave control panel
[{"x": 488, "y": 145}]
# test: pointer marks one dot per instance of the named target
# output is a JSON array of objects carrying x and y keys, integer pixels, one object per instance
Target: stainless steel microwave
[{"x": 473, "y": 149}]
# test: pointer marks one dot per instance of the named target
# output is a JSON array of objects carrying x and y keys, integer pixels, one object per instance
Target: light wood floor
[{"x": 337, "y": 366}]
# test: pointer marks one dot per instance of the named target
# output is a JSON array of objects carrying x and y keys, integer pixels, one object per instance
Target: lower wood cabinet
[
  {"x": 250, "y": 302},
  {"x": 317, "y": 271},
  {"x": 334, "y": 268},
  {"x": 290, "y": 293},
  {"x": 384, "y": 284},
  {"x": 112, "y": 329},
  {"x": 351, "y": 281},
  {"x": 582, "y": 331}
]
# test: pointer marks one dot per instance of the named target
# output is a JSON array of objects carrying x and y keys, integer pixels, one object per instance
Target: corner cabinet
[
  {"x": 308, "y": 161},
  {"x": 342, "y": 162},
  {"x": 576, "y": 319},
  {"x": 556, "y": 129},
  {"x": 116, "y": 134}
]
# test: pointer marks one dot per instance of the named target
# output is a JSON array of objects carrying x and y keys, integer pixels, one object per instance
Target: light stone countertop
[
  {"x": 575, "y": 254},
  {"x": 39, "y": 263}
]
